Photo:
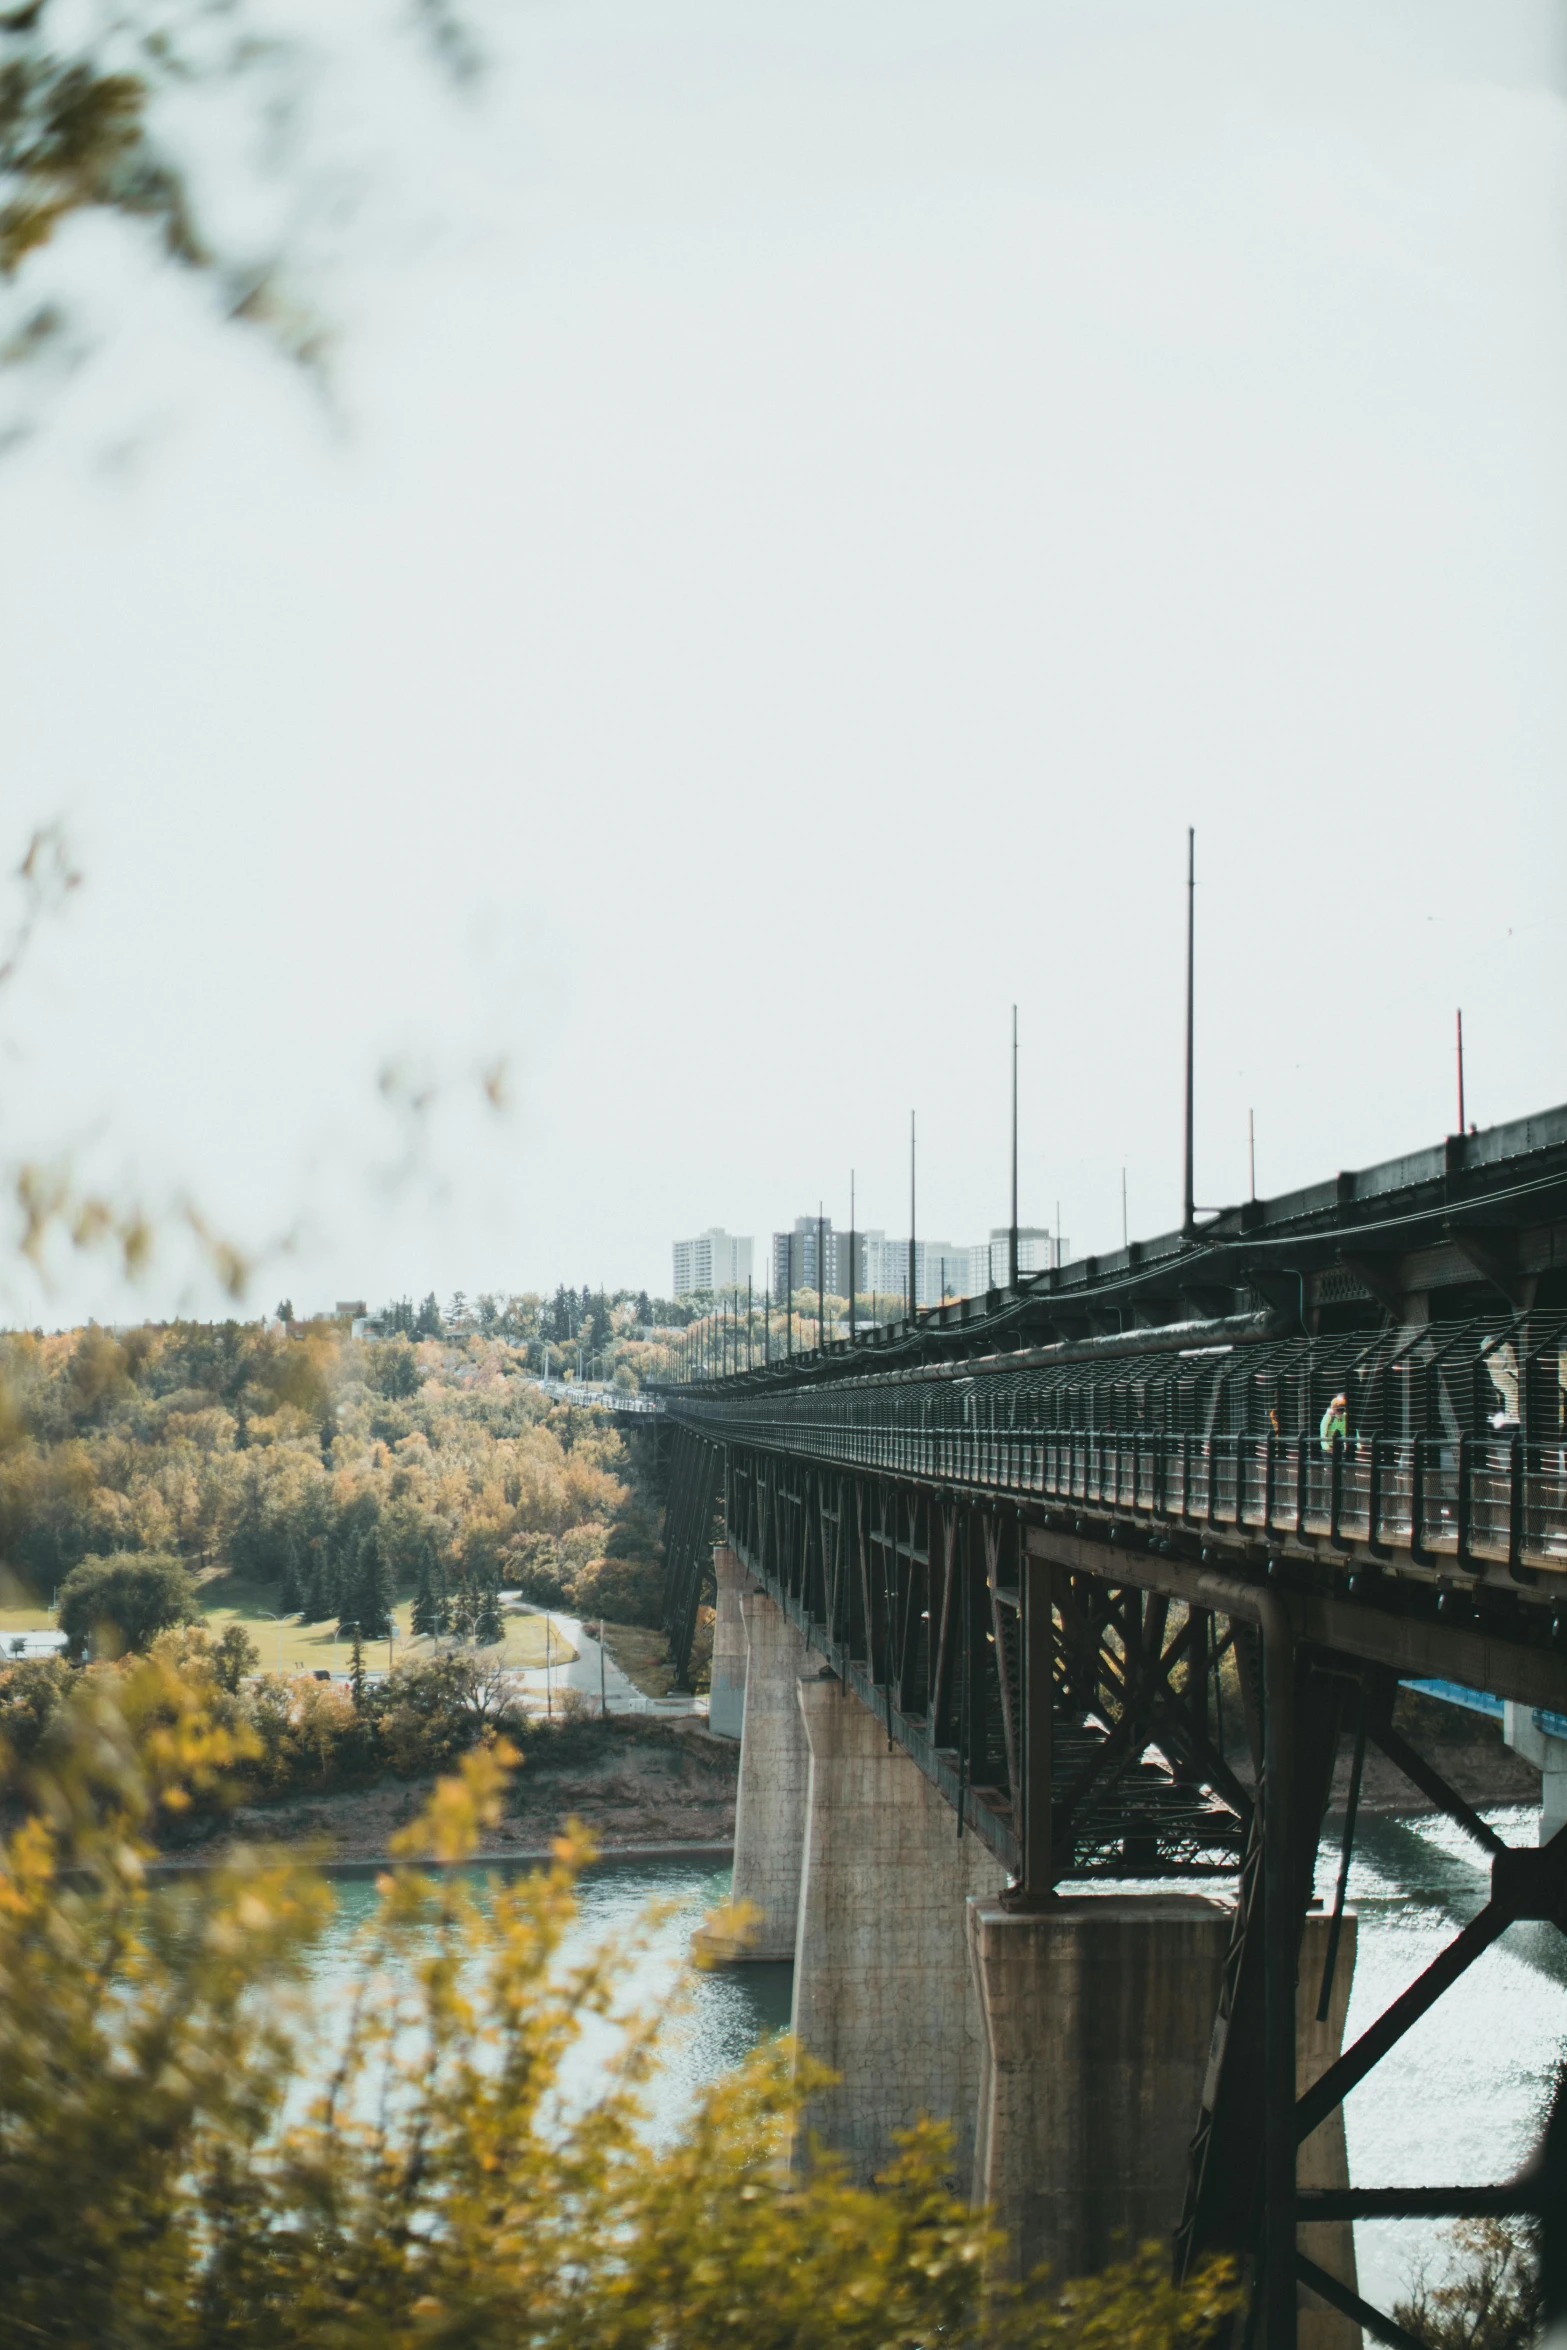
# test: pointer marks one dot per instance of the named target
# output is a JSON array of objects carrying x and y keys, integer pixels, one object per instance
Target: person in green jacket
[{"x": 1335, "y": 1421}]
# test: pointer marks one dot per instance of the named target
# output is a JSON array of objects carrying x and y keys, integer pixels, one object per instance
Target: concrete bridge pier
[
  {"x": 726, "y": 1688},
  {"x": 774, "y": 1769},
  {"x": 1528, "y": 1733},
  {"x": 883, "y": 1992},
  {"x": 1098, "y": 2013}
]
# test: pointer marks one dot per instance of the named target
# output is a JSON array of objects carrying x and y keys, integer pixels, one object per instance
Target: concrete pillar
[
  {"x": 882, "y": 1988},
  {"x": 726, "y": 1690},
  {"x": 1538, "y": 1738},
  {"x": 1098, "y": 2013},
  {"x": 774, "y": 1768}
]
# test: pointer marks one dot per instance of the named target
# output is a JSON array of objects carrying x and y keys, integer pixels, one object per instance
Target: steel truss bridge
[{"x": 1029, "y": 1530}]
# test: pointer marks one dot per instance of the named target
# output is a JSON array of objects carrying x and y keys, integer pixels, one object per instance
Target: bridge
[{"x": 988, "y": 1582}]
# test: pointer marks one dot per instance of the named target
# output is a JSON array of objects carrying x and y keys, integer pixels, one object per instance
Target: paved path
[{"x": 582, "y": 1675}]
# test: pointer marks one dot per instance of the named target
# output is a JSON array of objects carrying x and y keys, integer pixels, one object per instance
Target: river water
[{"x": 1460, "y": 2100}]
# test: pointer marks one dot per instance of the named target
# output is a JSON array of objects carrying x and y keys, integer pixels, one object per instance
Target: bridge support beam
[
  {"x": 774, "y": 1769},
  {"x": 882, "y": 1988},
  {"x": 1323, "y": 2160},
  {"x": 1097, "y": 2017},
  {"x": 726, "y": 1690}
]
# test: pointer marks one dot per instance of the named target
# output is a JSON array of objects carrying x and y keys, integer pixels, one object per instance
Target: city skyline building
[
  {"x": 712, "y": 1260},
  {"x": 989, "y": 1264},
  {"x": 794, "y": 1257}
]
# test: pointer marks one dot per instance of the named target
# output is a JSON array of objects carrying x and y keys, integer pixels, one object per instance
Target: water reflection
[
  {"x": 722, "y": 2012},
  {"x": 1461, "y": 2099}
]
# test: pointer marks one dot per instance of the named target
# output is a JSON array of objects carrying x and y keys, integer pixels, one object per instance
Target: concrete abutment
[
  {"x": 774, "y": 1771},
  {"x": 1098, "y": 2016},
  {"x": 726, "y": 1688},
  {"x": 883, "y": 1992}
]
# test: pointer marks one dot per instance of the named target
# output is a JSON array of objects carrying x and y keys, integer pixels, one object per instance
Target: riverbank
[
  {"x": 647, "y": 1785},
  {"x": 639, "y": 1783}
]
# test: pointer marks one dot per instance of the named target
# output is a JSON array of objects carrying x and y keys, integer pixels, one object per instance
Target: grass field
[
  {"x": 641, "y": 1655},
  {"x": 305, "y": 1648}
]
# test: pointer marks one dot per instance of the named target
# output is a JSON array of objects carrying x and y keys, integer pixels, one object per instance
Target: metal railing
[{"x": 1464, "y": 1502}]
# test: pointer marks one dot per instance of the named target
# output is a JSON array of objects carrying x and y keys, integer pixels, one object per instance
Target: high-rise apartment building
[
  {"x": 794, "y": 1257},
  {"x": 715, "y": 1259},
  {"x": 882, "y": 1270},
  {"x": 989, "y": 1265}
]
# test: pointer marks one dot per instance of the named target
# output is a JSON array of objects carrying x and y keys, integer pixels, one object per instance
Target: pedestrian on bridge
[{"x": 1335, "y": 1422}]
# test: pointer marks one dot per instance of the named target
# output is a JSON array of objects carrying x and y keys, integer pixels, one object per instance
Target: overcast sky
[{"x": 811, "y": 503}]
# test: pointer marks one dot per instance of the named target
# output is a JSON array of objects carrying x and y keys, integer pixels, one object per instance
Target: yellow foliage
[{"x": 169, "y": 2177}]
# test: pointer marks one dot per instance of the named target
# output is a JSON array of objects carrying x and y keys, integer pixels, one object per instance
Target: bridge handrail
[{"x": 1462, "y": 1501}]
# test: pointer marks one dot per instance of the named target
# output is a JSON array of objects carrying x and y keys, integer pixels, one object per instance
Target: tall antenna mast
[
  {"x": 1251, "y": 1148},
  {"x": 821, "y": 1278},
  {"x": 1189, "y": 1219},
  {"x": 1462, "y": 1128},
  {"x": 851, "y": 1256},
  {"x": 789, "y": 1240},
  {"x": 912, "y": 1290},
  {"x": 1012, "y": 1235}
]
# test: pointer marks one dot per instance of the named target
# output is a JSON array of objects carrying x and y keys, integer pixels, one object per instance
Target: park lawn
[
  {"x": 306, "y": 1648},
  {"x": 25, "y": 1619},
  {"x": 643, "y": 1656}
]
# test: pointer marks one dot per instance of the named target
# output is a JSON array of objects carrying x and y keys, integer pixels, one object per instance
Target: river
[{"x": 1460, "y": 2100}]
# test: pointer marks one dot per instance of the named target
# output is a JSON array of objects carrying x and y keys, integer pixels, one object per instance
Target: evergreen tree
[
  {"x": 365, "y": 1586},
  {"x": 290, "y": 1599},
  {"x": 488, "y": 1629},
  {"x": 428, "y": 1324},
  {"x": 345, "y": 1598},
  {"x": 316, "y": 1600},
  {"x": 432, "y": 1613},
  {"x": 356, "y": 1671}
]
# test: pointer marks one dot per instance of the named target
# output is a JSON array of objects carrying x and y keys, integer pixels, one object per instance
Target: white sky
[{"x": 813, "y": 502}]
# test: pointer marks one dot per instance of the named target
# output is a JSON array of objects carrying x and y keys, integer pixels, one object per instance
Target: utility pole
[
  {"x": 1189, "y": 1216},
  {"x": 851, "y": 1256},
  {"x": 821, "y": 1279},
  {"x": 913, "y": 1292},
  {"x": 1126, "y": 1237},
  {"x": 1251, "y": 1149},
  {"x": 1462, "y": 1128},
  {"x": 1012, "y": 1237},
  {"x": 789, "y": 1298},
  {"x": 749, "y": 1311}
]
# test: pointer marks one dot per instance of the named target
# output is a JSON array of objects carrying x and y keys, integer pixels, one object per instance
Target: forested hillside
[{"x": 339, "y": 1472}]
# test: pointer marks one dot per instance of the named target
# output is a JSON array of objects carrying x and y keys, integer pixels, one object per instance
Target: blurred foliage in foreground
[
  {"x": 186, "y": 2158},
  {"x": 1492, "y": 2299}
]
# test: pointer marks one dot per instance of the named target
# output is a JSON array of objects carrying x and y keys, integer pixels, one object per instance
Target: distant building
[
  {"x": 715, "y": 1259},
  {"x": 940, "y": 1268},
  {"x": 794, "y": 1258},
  {"x": 989, "y": 1265}
]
